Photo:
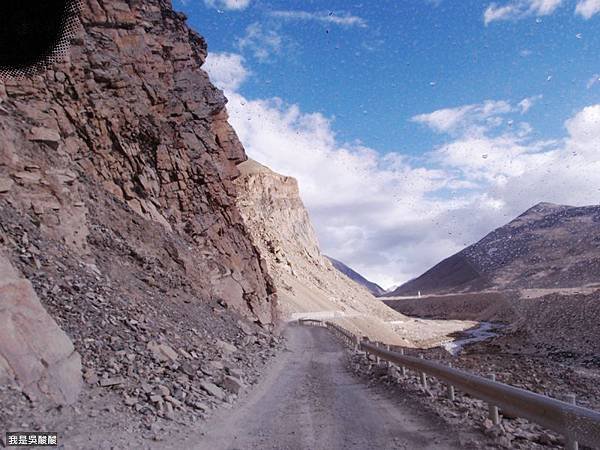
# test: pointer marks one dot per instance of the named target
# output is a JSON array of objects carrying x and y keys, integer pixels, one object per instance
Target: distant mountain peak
[
  {"x": 548, "y": 246},
  {"x": 373, "y": 288},
  {"x": 546, "y": 206}
]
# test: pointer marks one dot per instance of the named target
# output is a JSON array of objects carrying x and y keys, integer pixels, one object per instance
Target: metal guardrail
[{"x": 577, "y": 424}]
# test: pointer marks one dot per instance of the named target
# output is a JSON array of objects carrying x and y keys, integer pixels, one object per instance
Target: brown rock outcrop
[
  {"x": 132, "y": 113},
  {"x": 34, "y": 352},
  {"x": 117, "y": 204}
]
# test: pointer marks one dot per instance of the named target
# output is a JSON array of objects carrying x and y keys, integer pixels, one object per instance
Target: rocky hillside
[
  {"x": 117, "y": 203},
  {"x": 307, "y": 283},
  {"x": 547, "y": 247},
  {"x": 279, "y": 223},
  {"x": 373, "y": 288}
]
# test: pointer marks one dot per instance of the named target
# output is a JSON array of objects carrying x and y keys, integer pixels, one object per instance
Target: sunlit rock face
[{"x": 306, "y": 281}]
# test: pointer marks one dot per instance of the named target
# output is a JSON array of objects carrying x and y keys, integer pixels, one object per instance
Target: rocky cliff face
[
  {"x": 132, "y": 114},
  {"x": 547, "y": 247},
  {"x": 117, "y": 201}
]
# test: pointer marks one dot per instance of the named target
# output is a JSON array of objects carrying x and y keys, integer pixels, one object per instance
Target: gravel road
[{"x": 310, "y": 400}]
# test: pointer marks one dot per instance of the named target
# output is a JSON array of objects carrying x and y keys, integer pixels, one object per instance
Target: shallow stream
[{"x": 481, "y": 333}]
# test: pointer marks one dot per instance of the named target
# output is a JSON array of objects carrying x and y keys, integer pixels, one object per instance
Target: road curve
[{"x": 310, "y": 400}]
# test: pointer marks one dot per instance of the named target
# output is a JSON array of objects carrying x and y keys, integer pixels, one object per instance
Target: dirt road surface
[{"x": 310, "y": 400}]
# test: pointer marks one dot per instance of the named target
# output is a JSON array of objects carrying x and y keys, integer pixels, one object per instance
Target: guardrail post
[
  {"x": 451, "y": 395},
  {"x": 377, "y": 360},
  {"x": 423, "y": 377},
  {"x": 571, "y": 444},
  {"x": 387, "y": 363},
  {"x": 493, "y": 410},
  {"x": 403, "y": 368}
]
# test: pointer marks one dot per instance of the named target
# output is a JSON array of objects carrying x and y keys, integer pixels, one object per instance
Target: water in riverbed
[{"x": 481, "y": 333}]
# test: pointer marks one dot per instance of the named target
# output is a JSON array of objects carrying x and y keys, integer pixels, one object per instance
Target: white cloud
[
  {"x": 343, "y": 19},
  {"x": 519, "y": 9},
  {"x": 593, "y": 81},
  {"x": 449, "y": 120},
  {"x": 228, "y": 4},
  {"x": 544, "y": 7},
  {"x": 493, "y": 159},
  {"x": 444, "y": 120},
  {"x": 527, "y": 103},
  {"x": 226, "y": 70},
  {"x": 260, "y": 42},
  {"x": 587, "y": 8},
  {"x": 493, "y": 13},
  {"x": 390, "y": 217},
  {"x": 584, "y": 129}
]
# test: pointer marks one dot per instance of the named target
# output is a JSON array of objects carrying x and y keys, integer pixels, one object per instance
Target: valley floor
[{"x": 549, "y": 344}]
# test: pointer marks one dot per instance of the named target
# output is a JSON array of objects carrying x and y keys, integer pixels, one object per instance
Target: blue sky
[
  {"x": 372, "y": 77},
  {"x": 440, "y": 118}
]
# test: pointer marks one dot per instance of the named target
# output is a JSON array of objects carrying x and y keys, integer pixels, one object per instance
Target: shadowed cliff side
[{"x": 373, "y": 288}]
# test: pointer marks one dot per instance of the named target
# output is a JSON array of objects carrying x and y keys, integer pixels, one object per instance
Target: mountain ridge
[
  {"x": 372, "y": 287},
  {"x": 546, "y": 246}
]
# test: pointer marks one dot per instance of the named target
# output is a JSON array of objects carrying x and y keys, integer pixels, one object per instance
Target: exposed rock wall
[
  {"x": 117, "y": 205},
  {"x": 132, "y": 114}
]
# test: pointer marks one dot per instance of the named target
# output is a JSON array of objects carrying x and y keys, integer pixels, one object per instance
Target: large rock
[
  {"x": 162, "y": 352},
  {"x": 46, "y": 135},
  {"x": 213, "y": 390},
  {"x": 34, "y": 352},
  {"x": 233, "y": 385}
]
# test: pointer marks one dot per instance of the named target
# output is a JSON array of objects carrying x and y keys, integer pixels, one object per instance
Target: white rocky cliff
[{"x": 307, "y": 283}]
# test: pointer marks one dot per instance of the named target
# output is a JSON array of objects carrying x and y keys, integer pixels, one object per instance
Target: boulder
[
  {"x": 46, "y": 135},
  {"x": 213, "y": 390},
  {"x": 162, "y": 352},
  {"x": 6, "y": 185},
  {"x": 34, "y": 352},
  {"x": 232, "y": 384},
  {"x": 225, "y": 347}
]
